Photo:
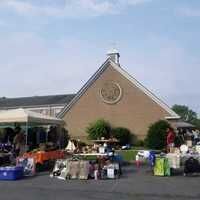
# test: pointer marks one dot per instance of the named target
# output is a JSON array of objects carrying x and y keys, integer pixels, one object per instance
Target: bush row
[
  {"x": 155, "y": 139},
  {"x": 102, "y": 128}
]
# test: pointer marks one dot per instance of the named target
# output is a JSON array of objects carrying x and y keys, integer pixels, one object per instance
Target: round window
[{"x": 111, "y": 92}]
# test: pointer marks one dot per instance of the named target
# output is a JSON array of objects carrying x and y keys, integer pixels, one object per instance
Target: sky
[{"x": 53, "y": 47}]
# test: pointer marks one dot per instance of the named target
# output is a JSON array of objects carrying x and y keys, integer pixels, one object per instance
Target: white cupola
[{"x": 114, "y": 55}]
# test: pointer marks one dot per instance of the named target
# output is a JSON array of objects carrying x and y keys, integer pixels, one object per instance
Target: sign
[{"x": 28, "y": 164}]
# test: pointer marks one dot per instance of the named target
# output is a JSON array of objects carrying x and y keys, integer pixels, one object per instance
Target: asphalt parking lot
[{"x": 134, "y": 184}]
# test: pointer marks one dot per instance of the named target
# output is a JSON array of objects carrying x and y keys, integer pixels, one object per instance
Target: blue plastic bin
[{"x": 11, "y": 173}]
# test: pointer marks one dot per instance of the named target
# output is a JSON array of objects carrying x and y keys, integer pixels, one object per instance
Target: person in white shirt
[{"x": 195, "y": 136}]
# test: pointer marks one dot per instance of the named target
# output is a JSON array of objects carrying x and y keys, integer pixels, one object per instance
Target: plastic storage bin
[{"x": 11, "y": 173}]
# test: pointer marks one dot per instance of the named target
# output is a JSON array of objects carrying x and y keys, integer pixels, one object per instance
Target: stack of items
[
  {"x": 185, "y": 160},
  {"x": 78, "y": 169},
  {"x": 144, "y": 155},
  {"x": 5, "y": 154},
  {"x": 82, "y": 169},
  {"x": 61, "y": 169},
  {"x": 111, "y": 171},
  {"x": 28, "y": 165},
  {"x": 24, "y": 167},
  {"x": 190, "y": 159},
  {"x": 168, "y": 164},
  {"x": 174, "y": 160},
  {"x": 71, "y": 169},
  {"x": 5, "y": 159},
  {"x": 7, "y": 170}
]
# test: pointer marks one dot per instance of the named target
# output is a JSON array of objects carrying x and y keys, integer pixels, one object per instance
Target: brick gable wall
[{"x": 135, "y": 111}]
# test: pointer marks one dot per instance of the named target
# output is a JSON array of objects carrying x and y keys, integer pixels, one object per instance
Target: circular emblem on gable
[{"x": 111, "y": 92}]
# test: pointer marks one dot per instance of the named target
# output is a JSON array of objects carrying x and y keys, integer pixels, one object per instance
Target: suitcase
[
  {"x": 11, "y": 173},
  {"x": 162, "y": 167},
  {"x": 191, "y": 166}
]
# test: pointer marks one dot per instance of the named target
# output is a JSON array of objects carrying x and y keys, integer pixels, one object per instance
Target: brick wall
[{"x": 135, "y": 111}]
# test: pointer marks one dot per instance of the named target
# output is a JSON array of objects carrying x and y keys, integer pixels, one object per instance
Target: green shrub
[
  {"x": 156, "y": 136},
  {"x": 139, "y": 143},
  {"x": 123, "y": 135},
  {"x": 81, "y": 144},
  {"x": 99, "y": 129},
  {"x": 64, "y": 137}
]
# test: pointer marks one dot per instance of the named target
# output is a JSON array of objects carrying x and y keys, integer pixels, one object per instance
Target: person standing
[
  {"x": 170, "y": 139},
  {"x": 19, "y": 142},
  {"x": 195, "y": 136}
]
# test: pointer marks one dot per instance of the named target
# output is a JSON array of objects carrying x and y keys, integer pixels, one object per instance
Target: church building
[{"x": 115, "y": 96}]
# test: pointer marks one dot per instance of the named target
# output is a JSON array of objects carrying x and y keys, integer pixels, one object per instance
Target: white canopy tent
[{"x": 27, "y": 117}]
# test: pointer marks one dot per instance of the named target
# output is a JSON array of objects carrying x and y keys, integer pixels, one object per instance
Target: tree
[
  {"x": 185, "y": 113},
  {"x": 156, "y": 136},
  {"x": 123, "y": 135},
  {"x": 99, "y": 129},
  {"x": 64, "y": 137},
  {"x": 196, "y": 122}
]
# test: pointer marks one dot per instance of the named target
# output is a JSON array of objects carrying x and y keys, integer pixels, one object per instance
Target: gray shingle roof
[{"x": 35, "y": 101}]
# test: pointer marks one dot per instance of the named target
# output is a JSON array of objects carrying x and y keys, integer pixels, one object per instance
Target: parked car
[{"x": 126, "y": 147}]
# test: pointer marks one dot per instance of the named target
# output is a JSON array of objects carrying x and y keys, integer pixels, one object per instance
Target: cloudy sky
[{"x": 53, "y": 47}]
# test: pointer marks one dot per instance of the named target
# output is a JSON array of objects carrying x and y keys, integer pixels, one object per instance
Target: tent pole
[
  {"x": 26, "y": 133},
  {"x": 47, "y": 134}
]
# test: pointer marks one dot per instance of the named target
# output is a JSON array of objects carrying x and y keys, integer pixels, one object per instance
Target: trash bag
[{"x": 191, "y": 166}]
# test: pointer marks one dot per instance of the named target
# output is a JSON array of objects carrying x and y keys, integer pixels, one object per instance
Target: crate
[{"x": 11, "y": 173}]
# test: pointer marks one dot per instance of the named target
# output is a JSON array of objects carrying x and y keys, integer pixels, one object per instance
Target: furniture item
[{"x": 41, "y": 156}]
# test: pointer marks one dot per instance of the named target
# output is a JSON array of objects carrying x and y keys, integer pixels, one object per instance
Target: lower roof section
[{"x": 35, "y": 101}]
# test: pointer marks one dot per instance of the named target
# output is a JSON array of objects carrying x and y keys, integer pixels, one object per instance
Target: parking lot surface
[{"x": 134, "y": 184}]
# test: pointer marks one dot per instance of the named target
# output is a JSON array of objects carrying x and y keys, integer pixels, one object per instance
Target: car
[{"x": 126, "y": 147}]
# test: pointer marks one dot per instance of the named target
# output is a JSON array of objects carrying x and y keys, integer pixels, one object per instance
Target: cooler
[{"x": 11, "y": 173}]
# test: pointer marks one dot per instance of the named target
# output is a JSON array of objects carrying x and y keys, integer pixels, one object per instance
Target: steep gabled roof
[
  {"x": 35, "y": 101},
  {"x": 98, "y": 73}
]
